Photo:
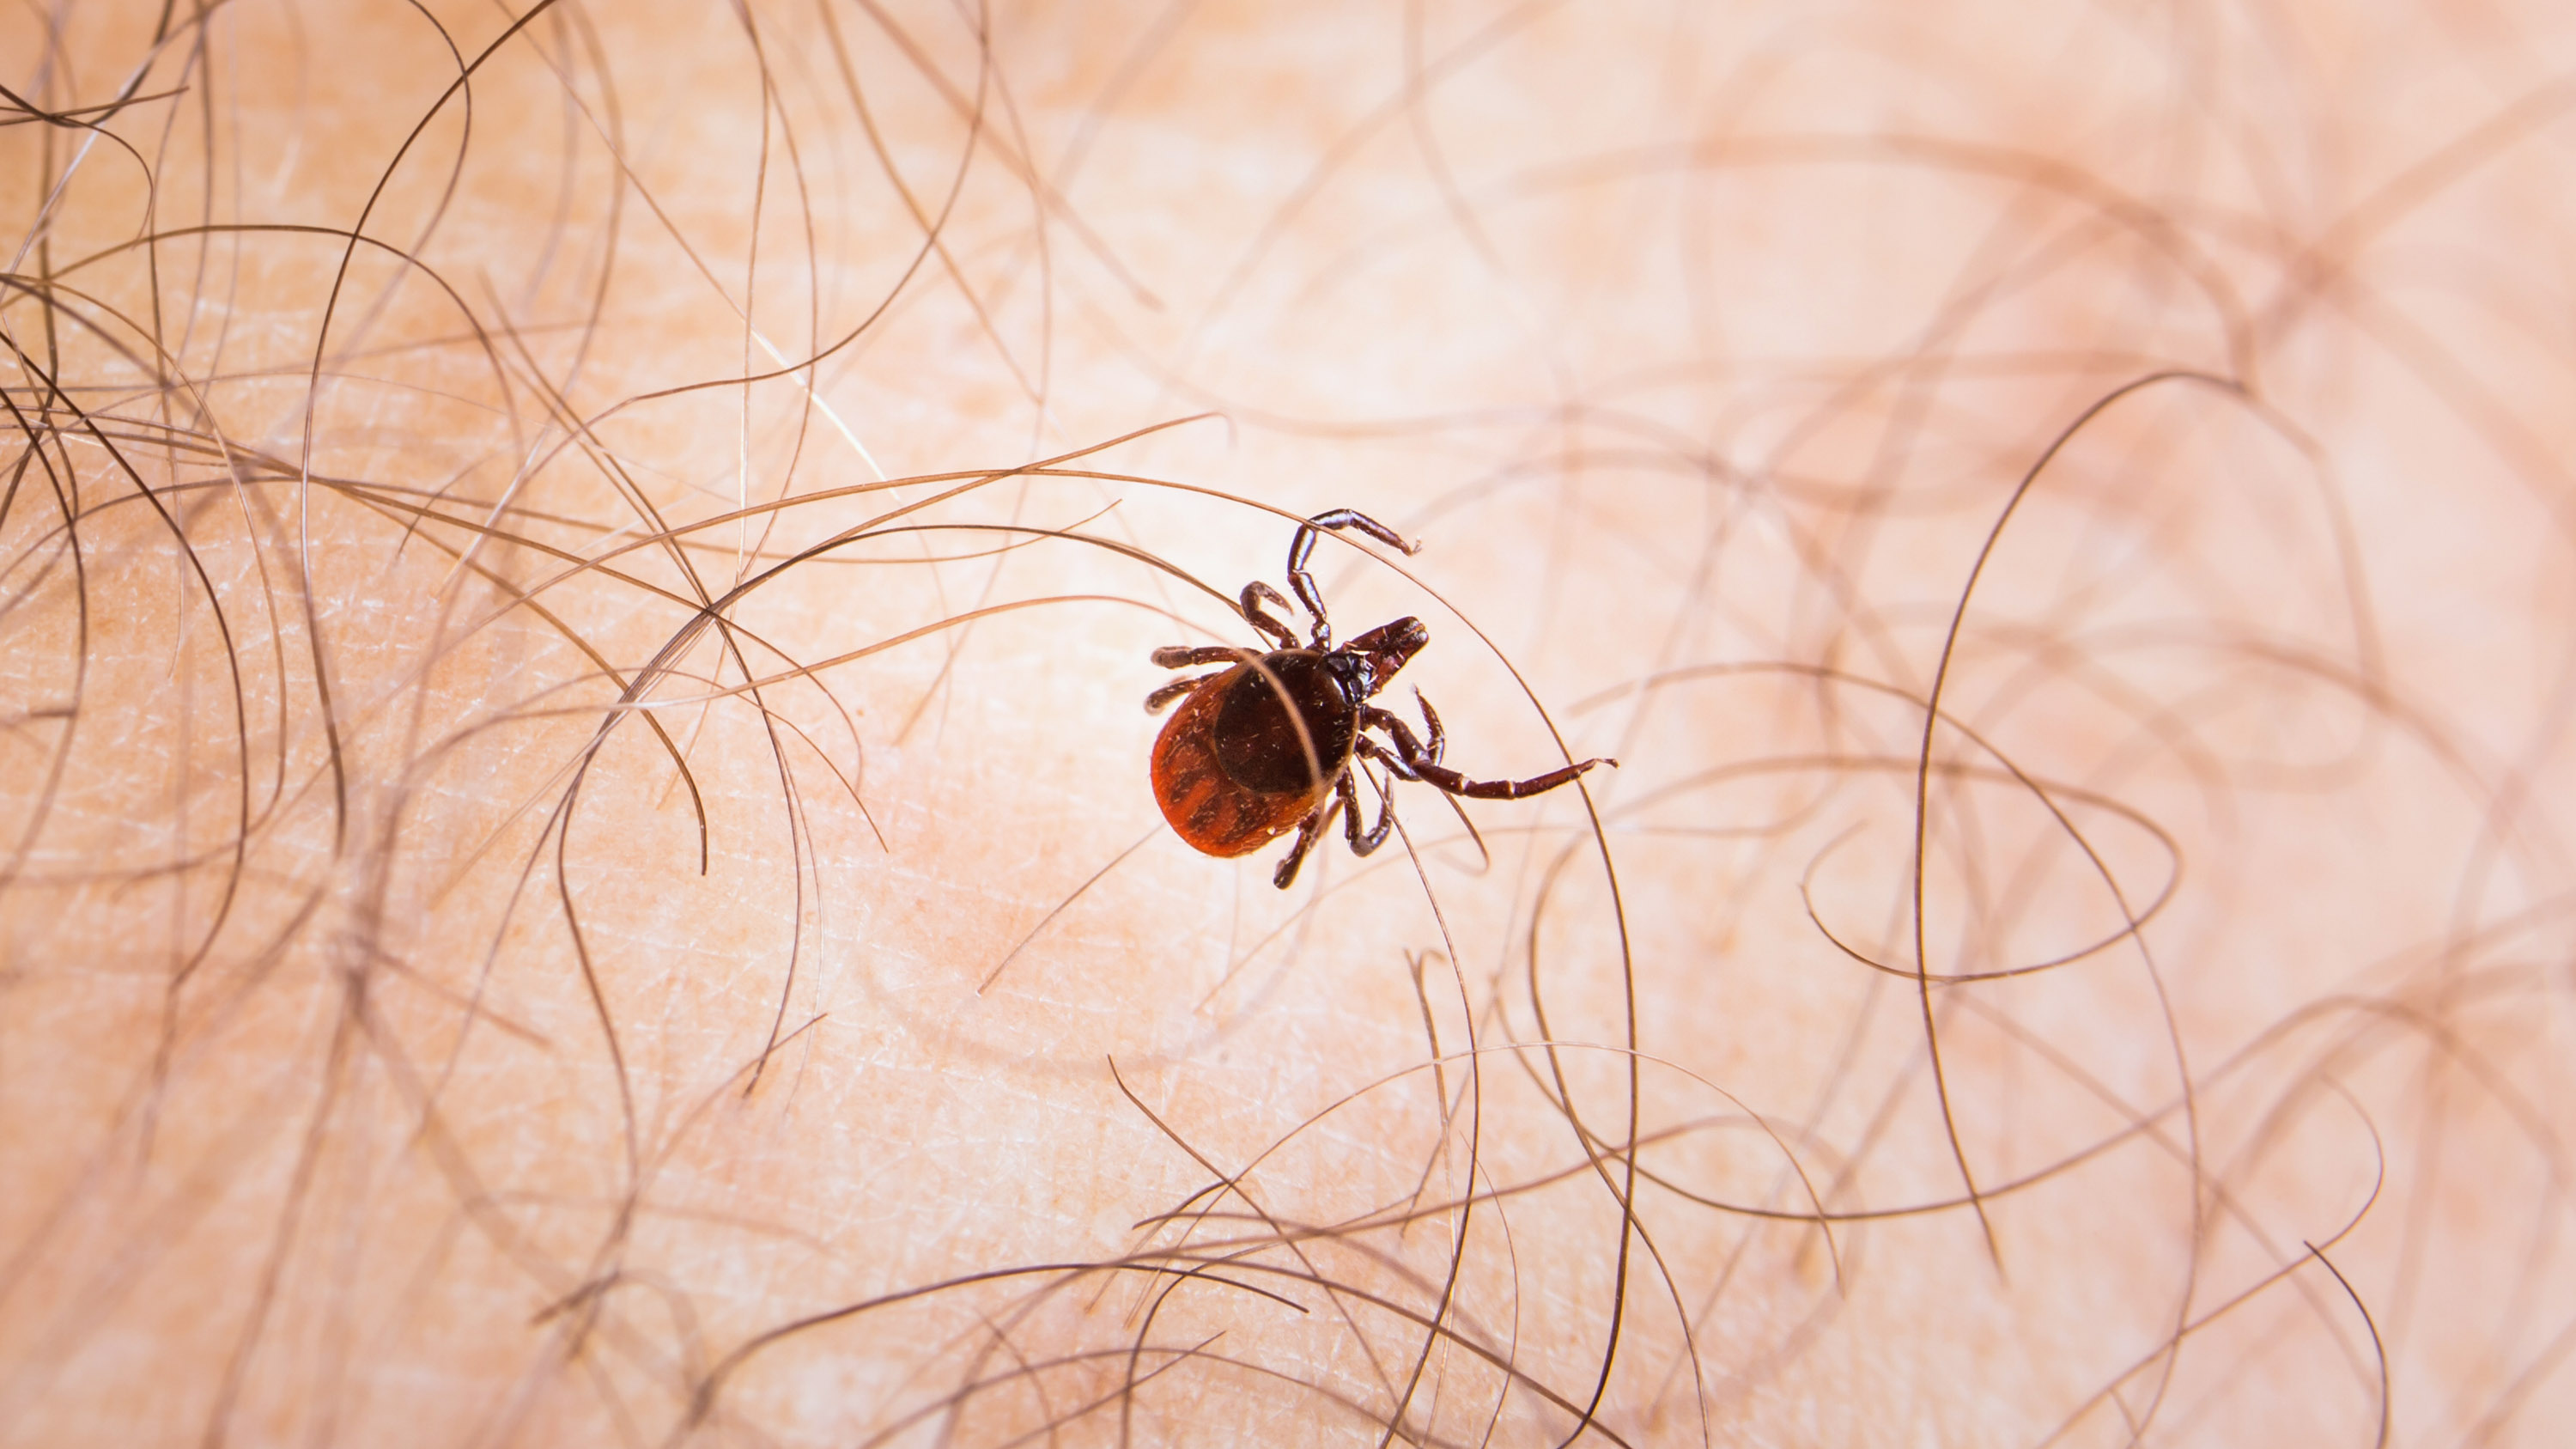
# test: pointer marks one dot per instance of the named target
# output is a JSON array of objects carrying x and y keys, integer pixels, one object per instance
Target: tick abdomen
[{"x": 1231, "y": 769}]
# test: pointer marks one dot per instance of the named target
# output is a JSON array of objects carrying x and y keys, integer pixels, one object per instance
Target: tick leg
[
  {"x": 1154, "y": 702},
  {"x": 1409, "y": 752},
  {"x": 1394, "y": 762},
  {"x": 1442, "y": 777},
  {"x": 1259, "y": 618},
  {"x": 1307, "y": 829},
  {"x": 1186, "y": 656},
  {"x": 1419, "y": 763},
  {"x": 1439, "y": 737},
  {"x": 1363, "y": 845},
  {"x": 1302, "y": 548}
]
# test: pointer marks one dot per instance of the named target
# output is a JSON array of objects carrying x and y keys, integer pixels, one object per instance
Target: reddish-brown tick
[{"x": 1268, "y": 744}]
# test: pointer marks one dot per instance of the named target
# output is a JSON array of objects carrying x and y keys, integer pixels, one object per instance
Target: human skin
[{"x": 578, "y": 866}]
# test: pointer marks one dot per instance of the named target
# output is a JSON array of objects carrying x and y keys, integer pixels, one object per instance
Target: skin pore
[{"x": 575, "y": 857}]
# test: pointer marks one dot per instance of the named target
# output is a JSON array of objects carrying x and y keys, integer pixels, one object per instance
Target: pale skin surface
[{"x": 379, "y": 1064}]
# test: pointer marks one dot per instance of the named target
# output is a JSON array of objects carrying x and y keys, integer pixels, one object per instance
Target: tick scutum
[{"x": 1259, "y": 742}]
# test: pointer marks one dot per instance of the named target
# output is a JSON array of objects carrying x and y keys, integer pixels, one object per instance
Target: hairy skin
[{"x": 398, "y": 1045}]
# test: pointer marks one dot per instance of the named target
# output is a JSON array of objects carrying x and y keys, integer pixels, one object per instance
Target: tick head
[{"x": 1386, "y": 649}]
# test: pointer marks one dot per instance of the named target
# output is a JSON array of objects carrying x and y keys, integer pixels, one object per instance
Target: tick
[{"x": 1267, "y": 745}]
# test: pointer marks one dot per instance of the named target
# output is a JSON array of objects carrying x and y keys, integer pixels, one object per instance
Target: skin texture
[{"x": 576, "y": 862}]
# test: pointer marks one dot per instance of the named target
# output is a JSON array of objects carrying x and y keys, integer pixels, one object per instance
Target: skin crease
[{"x": 390, "y": 1055}]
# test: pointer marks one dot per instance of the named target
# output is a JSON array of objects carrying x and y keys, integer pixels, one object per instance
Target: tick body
[
  {"x": 1253, "y": 751},
  {"x": 1270, "y": 744}
]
